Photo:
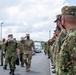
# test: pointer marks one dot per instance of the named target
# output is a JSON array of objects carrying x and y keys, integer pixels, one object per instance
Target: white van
[{"x": 38, "y": 47}]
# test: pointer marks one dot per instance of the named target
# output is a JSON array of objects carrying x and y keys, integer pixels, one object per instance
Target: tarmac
[{"x": 41, "y": 65}]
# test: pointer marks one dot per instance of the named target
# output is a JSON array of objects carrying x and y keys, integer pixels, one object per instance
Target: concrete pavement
[{"x": 40, "y": 66}]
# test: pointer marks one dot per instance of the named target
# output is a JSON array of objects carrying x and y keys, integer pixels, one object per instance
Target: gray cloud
[{"x": 29, "y": 16}]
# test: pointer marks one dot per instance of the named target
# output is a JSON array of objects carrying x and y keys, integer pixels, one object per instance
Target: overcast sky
[{"x": 35, "y": 17}]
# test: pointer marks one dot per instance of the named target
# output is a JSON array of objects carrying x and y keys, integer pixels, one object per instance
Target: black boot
[
  {"x": 13, "y": 72},
  {"x": 48, "y": 57},
  {"x": 22, "y": 64},
  {"x": 10, "y": 72},
  {"x": 1, "y": 64},
  {"x": 54, "y": 71},
  {"x": 5, "y": 67}
]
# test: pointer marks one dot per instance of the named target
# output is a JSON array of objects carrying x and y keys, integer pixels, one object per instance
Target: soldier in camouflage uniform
[
  {"x": 6, "y": 60},
  {"x": 45, "y": 48},
  {"x": 59, "y": 41},
  {"x": 27, "y": 56},
  {"x": 2, "y": 51},
  {"x": 11, "y": 52},
  {"x": 51, "y": 50},
  {"x": 57, "y": 32},
  {"x": 68, "y": 48},
  {"x": 48, "y": 49},
  {"x": 51, "y": 45},
  {"x": 21, "y": 47}
]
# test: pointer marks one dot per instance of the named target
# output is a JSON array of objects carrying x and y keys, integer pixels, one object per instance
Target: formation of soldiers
[
  {"x": 61, "y": 48},
  {"x": 13, "y": 50}
]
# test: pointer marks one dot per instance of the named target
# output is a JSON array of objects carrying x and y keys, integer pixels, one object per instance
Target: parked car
[{"x": 38, "y": 47}]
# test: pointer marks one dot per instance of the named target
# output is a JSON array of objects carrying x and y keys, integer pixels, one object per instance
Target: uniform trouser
[
  {"x": 11, "y": 61},
  {"x": 49, "y": 53},
  {"x": 27, "y": 59},
  {"x": 45, "y": 51},
  {"x": 6, "y": 60},
  {"x": 21, "y": 58}
]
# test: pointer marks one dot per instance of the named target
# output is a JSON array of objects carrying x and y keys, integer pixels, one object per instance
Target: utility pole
[
  {"x": 1, "y": 50},
  {"x": 1, "y": 30},
  {"x": 49, "y": 33}
]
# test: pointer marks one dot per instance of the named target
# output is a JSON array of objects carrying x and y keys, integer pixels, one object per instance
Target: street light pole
[
  {"x": 49, "y": 33},
  {"x": 1, "y": 30},
  {"x": 1, "y": 50}
]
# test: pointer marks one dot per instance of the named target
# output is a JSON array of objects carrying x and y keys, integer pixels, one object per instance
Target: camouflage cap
[
  {"x": 58, "y": 17},
  {"x": 10, "y": 35},
  {"x": 27, "y": 34},
  {"x": 69, "y": 10}
]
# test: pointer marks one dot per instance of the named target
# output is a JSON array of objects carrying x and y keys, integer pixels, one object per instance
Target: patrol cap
[
  {"x": 22, "y": 38},
  {"x": 58, "y": 17},
  {"x": 27, "y": 34},
  {"x": 10, "y": 35},
  {"x": 69, "y": 10}
]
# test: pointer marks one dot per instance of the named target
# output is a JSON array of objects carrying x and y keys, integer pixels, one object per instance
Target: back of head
[{"x": 69, "y": 12}]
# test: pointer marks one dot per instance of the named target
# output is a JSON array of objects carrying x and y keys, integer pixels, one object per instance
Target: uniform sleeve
[
  {"x": 60, "y": 39},
  {"x": 66, "y": 52}
]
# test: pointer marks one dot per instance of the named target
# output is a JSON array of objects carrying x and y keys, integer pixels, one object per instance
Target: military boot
[
  {"x": 22, "y": 64},
  {"x": 1, "y": 64},
  {"x": 54, "y": 71},
  {"x": 5, "y": 67},
  {"x": 13, "y": 72},
  {"x": 10, "y": 72},
  {"x": 48, "y": 57},
  {"x": 28, "y": 68}
]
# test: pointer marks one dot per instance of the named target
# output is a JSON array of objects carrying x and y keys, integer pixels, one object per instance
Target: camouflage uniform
[
  {"x": 68, "y": 49},
  {"x": 45, "y": 48},
  {"x": 58, "y": 46},
  {"x": 21, "y": 47},
  {"x": 6, "y": 60},
  {"x": 57, "y": 32},
  {"x": 27, "y": 56},
  {"x": 53, "y": 52},
  {"x": 11, "y": 54},
  {"x": 48, "y": 49},
  {"x": 51, "y": 49},
  {"x": 58, "y": 42},
  {"x": 67, "y": 53},
  {"x": 2, "y": 49},
  {"x": 2, "y": 52}
]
